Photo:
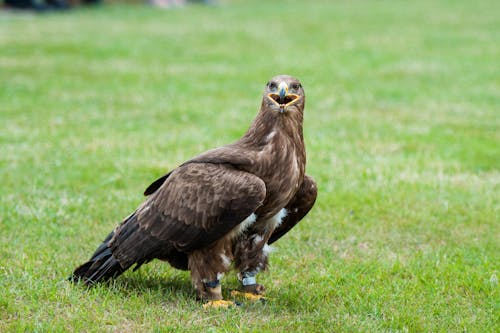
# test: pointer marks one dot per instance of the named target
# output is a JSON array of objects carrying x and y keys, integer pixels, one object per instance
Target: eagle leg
[
  {"x": 212, "y": 290},
  {"x": 213, "y": 293},
  {"x": 250, "y": 289},
  {"x": 251, "y": 253},
  {"x": 207, "y": 267},
  {"x": 249, "y": 284}
]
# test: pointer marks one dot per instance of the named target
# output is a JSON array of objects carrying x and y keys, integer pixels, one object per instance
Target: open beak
[
  {"x": 282, "y": 91},
  {"x": 283, "y": 98}
]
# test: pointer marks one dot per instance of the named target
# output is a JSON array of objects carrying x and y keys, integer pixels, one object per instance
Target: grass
[{"x": 402, "y": 129}]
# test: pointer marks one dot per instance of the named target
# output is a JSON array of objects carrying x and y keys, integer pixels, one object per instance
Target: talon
[
  {"x": 219, "y": 304},
  {"x": 248, "y": 296}
]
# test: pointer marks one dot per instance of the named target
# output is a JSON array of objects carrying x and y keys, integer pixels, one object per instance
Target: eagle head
[{"x": 284, "y": 93}]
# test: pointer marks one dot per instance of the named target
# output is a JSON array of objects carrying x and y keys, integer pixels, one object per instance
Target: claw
[
  {"x": 219, "y": 304},
  {"x": 248, "y": 296}
]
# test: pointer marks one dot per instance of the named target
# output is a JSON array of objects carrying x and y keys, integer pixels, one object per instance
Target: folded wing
[{"x": 196, "y": 205}]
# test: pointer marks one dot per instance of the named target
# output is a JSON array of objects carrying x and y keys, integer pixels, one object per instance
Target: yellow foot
[
  {"x": 219, "y": 304},
  {"x": 248, "y": 296}
]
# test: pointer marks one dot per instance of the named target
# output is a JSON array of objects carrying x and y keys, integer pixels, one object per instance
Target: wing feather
[
  {"x": 297, "y": 208},
  {"x": 199, "y": 203}
]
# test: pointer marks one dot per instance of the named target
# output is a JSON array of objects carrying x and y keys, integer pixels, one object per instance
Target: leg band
[
  {"x": 211, "y": 284},
  {"x": 248, "y": 278}
]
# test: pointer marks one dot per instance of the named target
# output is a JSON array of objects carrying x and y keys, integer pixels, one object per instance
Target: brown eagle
[{"x": 221, "y": 207}]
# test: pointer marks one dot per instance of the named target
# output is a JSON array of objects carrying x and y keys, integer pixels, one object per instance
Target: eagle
[{"x": 223, "y": 208}]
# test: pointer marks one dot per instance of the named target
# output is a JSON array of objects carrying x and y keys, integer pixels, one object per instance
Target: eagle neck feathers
[
  {"x": 279, "y": 156},
  {"x": 269, "y": 127}
]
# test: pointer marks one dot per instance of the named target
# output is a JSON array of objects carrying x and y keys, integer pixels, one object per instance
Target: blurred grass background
[{"x": 402, "y": 131}]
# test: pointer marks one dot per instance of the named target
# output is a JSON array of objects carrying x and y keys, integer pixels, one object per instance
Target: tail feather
[
  {"x": 102, "y": 266},
  {"x": 127, "y": 245}
]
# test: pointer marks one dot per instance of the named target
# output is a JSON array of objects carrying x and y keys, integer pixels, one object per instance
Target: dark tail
[
  {"x": 127, "y": 245},
  {"x": 102, "y": 266}
]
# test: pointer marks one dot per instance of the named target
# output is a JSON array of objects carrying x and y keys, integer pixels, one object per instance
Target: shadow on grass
[
  {"x": 164, "y": 287},
  {"x": 175, "y": 289},
  {"x": 158, "y": 289},
  {"x": 176, "y": 292}
]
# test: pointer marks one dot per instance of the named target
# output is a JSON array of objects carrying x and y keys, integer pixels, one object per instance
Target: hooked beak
[
  {"x": 282, "y": 91},
  {"x": 283, "y": 98}
]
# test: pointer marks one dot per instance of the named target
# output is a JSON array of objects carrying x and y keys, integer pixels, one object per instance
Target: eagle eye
[
  {"x": 271, "y": 85},
  {"x": 295, "y": 86}
]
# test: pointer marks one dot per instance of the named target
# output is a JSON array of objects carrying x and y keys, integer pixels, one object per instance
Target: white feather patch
[
  {"x": 248, "y": 222},
  {"x": 267, "y": 249},
  {"x": 240, "y": 228},
  {"x": 257, "y": 239},
  {"x": 270, "y": 135},
  {"x": 276, "y": 220},
  {"x": 225, "y": 260}
]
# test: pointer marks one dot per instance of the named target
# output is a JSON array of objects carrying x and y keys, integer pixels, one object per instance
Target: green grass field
[{"x": 402, "y": 129}]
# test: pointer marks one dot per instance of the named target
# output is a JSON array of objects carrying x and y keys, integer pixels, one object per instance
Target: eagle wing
[
  {"x": 297, "y": 208},
  {"x": 190, "y": 208},
  {"x": 199, "y": 203}
]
